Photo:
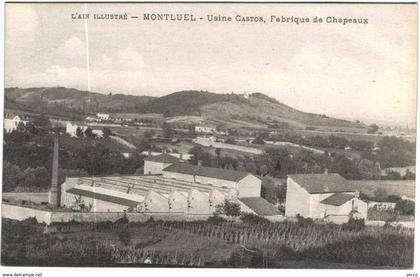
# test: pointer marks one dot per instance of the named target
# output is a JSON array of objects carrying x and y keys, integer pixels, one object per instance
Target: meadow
[{"x": 251, "y": 242}]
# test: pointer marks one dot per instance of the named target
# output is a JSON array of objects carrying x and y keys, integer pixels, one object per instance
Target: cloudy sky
[{"x": 352, "y": 71}]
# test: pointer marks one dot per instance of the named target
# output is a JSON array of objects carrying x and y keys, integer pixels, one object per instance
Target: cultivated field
[{"x": 213, "y": 243}]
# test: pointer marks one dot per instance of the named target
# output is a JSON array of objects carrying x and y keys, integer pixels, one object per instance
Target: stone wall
[
  {"x": 44, "y": 216},
  {"x": 21, "y": 213}
]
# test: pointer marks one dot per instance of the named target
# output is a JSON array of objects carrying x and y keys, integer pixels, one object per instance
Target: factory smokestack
[{"x": 53, "y": 198}]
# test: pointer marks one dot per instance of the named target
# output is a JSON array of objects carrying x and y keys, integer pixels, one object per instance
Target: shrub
[
  {"x": 216, "y": 219},
  {"x": 405, "y": 207},
  {"x": 231, "y": 208},
  {"x": 30, "y": 220},
  {"x": 304, "y": 221},
  {"x": 354, "y": 224},
  {"x": 122, "y": 220},
  {"x": 125, "y": 236},
  {"x": 254, "y": 219}
]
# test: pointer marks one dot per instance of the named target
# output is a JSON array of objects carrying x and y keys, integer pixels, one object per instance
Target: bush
[
  {"x": 125, "y": 236},
  {"x": 304, "y": 221},
  {"x": 405, "y": 207},
  {"x": 231, "y": 208},
  {"x": 354, "y": 224},
  {"x": 216, "y": 219},
  {"x": 228, "y": 208},
  {"x": 253, "y": 219},
  {"x": 122, "y": 220},
  {"x": 30, "y": 220}
]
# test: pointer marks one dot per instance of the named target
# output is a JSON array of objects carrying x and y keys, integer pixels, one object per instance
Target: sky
[{"x": 355, "y": 71}]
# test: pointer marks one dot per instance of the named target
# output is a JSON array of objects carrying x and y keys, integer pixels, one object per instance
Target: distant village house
[{"x": 12, "y": 122}]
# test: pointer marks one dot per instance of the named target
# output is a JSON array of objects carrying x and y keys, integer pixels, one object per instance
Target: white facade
[
  {"x": 151, "y": 167},
  {"x": 181, "y": 156},
  {"x": 249, "y": 186},
  {"x": 71, "y": 129},
  {"x": 73, "y": 201},
  {"x": 11, "y": 124},
  {"x": 103, "y": 116},
  {"x": 300, "y": 202},
  {"x": 205, "y": 129}
]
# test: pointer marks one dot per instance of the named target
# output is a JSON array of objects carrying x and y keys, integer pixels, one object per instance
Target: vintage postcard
[{"x": 209, "y": 135}]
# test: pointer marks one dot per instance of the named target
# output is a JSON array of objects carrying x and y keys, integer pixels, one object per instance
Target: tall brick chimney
[{"x": 53, "y": 198}]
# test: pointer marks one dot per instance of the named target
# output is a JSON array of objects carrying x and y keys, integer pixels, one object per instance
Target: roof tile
[
  {"x": 322, "y": 183},
  {"x": 338, "y": 199},
  {"x": 218, "y": 173}
]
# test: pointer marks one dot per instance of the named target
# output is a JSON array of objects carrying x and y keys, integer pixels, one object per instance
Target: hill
[
  {"x": 230, "y": 110},
  {"x": 70, "y": 100}
]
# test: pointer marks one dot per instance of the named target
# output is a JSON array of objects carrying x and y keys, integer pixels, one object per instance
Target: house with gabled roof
[
  {"x": 155, "y": 164},
  {"x": 329, "y": 197}
]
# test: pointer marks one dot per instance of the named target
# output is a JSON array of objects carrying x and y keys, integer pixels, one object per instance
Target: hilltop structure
[{"x": 326, "y": 196}]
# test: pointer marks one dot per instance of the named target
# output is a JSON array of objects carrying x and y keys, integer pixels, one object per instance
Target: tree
[
  {"x": 107, "y": 132},
  {"x": 395, "y": 152},
  {"x": 258, "y": 140},
  {"x": 373, "y": 129},
  {"x": 167, "y": 130},
  {"x": 230, "y": 141},
  {"x": 79, "y": 132},
  {"x": 231, "y": 208},
  {"x": 149, "y": 133},
  {"x": 271, "y": 191},
  {"x": 10, "y": 176},
  {"x": 42, "y": 121},
  {"x": 405, "y": 207},
  {"x": 63, "y": 173},
  {"x": 345, "y": 167},
  {"x": 89, "y": 132},
  {"x": 199, "y": 154},
  {"x": 337, "y": 142},
  {"x": 368, "y": 169}
]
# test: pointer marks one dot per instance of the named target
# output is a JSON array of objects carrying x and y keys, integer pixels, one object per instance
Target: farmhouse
[
  {"x": 11, "y": 123},
  {"x": 329, "y": 197}
]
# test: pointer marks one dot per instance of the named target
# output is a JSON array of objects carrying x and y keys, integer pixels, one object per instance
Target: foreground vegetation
[{"x": 250, "y": 242}]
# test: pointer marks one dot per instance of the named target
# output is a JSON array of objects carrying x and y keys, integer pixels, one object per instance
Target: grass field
[{"x": 390, "y": 187}]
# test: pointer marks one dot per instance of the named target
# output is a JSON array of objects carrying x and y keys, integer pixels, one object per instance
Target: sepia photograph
[{"x": 209, "y": 135}]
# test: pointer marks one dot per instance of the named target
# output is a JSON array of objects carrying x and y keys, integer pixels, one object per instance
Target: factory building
[{"x": 167, "y": 186}]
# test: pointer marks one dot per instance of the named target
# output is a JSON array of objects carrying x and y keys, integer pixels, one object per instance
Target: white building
[
  {"x": 180, "y": 156},
  {"x": 240, "y": 183},
  {"x": 167, "y": 187},
  {"x": 155, "y": 164},
  {"x": 71, "y": 129},
  {"x": 103, "y": 116},
  {"x": 329, "y": 197},
  {"x": 205, "y": 129},
  {"x": 12, "y": 123}
]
